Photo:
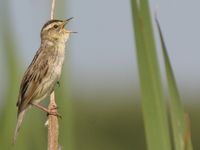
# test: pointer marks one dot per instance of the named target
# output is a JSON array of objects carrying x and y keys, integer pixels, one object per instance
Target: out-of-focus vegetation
[
  {"x": 103, "y": 122},
  {"x": 152, "y": 98},
  {"x": 179, "y": 118},
  {"x": 153, "y": 103}
]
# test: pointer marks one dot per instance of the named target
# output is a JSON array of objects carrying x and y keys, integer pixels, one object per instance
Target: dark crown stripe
[{"x": 49, "y": 22}]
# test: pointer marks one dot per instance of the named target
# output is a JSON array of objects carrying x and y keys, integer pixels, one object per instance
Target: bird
[{"x": 44, "y": 72}]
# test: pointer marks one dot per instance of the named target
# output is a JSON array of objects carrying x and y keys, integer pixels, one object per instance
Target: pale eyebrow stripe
[{"x": 49, "y": 22}]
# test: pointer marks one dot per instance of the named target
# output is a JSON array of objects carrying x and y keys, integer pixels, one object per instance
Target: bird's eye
[{"x": 55, "y": 26}]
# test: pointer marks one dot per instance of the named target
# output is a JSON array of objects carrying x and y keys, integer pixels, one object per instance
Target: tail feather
[{"x": 20, "y": 118}]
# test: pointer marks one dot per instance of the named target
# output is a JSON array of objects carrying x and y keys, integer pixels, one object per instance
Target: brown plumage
[{"x": 45, "y": 69}]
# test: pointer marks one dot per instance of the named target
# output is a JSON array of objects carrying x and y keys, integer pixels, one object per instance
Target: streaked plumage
[{"x": 45, "y": 69}]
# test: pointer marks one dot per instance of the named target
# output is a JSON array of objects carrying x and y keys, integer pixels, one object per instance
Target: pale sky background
[{"x": 102, "y": 54}]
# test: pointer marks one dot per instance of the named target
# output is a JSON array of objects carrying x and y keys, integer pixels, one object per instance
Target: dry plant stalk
[{"x": 53, "y": 127}]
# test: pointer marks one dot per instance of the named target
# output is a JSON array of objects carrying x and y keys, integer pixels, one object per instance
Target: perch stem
[{"x": 53, "y": 127}]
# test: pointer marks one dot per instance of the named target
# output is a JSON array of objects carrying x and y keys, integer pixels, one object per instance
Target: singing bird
[{"x": 45, "y": 69}]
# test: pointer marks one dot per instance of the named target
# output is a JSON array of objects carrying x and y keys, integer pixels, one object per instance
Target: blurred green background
[{"x": 99, "y": 96}]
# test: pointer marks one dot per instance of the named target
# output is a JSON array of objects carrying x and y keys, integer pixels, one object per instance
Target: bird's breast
[{"x": 59, "y": 59}]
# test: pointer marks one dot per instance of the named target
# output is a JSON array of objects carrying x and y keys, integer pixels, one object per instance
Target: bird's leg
[
  {"x": 49, "y": 112},
  {"x": 58, "y": 82},
  {"x": 40, "y": 107}
]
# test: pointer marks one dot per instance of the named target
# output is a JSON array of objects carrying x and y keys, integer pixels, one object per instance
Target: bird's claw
[{"x": 54, "y": 114}]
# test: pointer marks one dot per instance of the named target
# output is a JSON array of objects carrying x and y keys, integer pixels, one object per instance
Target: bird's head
[{"x": 55, "y": 30}]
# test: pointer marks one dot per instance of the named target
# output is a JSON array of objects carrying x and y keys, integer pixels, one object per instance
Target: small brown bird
[{"x": 45, "y": 69}]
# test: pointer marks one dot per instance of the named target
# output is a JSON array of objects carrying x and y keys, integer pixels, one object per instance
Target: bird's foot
[{"x": 52, "y": 111}]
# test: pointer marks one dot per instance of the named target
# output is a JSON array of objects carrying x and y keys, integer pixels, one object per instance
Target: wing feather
[{"x": 32, "y": 80}]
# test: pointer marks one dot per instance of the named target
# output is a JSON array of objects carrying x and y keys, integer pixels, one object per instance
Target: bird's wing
[{"x": 32, "y": 80}]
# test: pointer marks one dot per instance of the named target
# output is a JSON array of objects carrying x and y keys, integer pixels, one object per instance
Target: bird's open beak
[{"x": 65, "y": 22}]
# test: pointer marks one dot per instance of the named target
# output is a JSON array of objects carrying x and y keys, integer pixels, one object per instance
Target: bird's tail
[{"x": 20, "y": 118}]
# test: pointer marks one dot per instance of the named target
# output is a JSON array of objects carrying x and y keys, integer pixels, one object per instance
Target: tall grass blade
[
  {"x": 180, "y": 122},
  {"x": 154, "y": 111},
  {"x": 153, "y": 105}
]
